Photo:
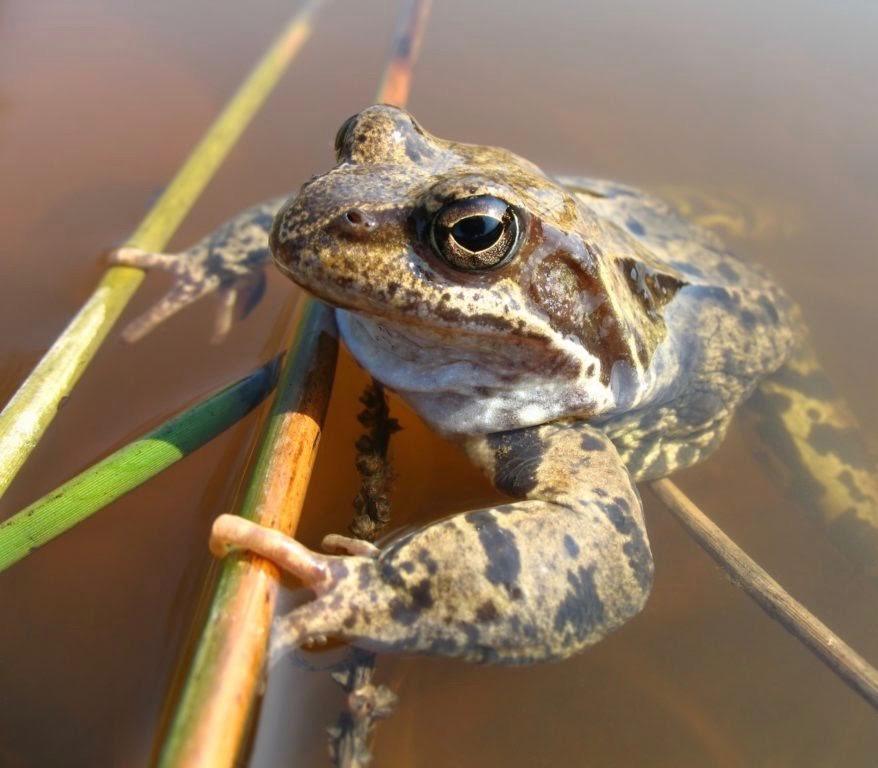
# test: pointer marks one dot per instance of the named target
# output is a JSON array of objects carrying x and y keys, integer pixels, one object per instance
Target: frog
[{"x": 577, "y": 336}]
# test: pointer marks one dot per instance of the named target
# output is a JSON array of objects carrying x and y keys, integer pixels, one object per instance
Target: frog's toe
[
  {"x": 232, "y": 533},
  {"x": 343, "y": 585},
  {"x": 337, "y": 543},
  {"x": 181, "y": 295},
  {"x": 137, "y": 257}
]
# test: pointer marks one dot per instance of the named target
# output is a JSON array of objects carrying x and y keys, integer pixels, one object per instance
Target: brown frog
[{"x": 576, "y": 335}]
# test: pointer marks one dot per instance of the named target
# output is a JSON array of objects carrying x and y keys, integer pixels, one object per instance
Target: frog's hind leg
[
  {"x": 527, "y": 581},
  {"x": 732, "y": 213},
  {"x": 818, "y": 451}
]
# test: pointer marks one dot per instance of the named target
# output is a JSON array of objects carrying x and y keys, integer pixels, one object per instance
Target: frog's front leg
[
  {"x": 231, "y": 260},
  {"x": 536, "y": 579}
]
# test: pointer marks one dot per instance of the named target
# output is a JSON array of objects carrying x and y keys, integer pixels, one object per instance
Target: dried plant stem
[
  {"x": 852, "y": 668},
  {"x": 130, "y": 466},
  {"x": 31, "y": 409},
  {"x": 211, "y": 718},
  {"x": 366, "y": 703},
  {"x": 372, "y": 504}
]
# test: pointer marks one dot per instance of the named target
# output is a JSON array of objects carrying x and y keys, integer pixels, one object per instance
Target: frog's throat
[{"x": 480, "y": 390}]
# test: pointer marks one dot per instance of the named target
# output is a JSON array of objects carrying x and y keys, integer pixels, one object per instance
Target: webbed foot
[
  {"x": 188, "y": 287},
  {"x": 231, "y": 260}
]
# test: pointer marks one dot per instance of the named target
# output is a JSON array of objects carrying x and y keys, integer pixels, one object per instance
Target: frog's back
[
  {"x": 694, "y": 251},
  {"x": 729, "y": 328}
]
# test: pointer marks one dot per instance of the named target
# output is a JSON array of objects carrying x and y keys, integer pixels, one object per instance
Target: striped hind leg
[{"x": 819, "y": 453}]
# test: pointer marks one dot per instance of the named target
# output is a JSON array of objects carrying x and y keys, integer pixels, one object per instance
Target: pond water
[{"x": 773, "y": 104}]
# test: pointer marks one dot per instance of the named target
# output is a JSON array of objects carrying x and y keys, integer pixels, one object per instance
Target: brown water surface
[{"x": 773, "y": 103}]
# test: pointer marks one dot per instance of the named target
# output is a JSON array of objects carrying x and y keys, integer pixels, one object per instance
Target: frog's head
[{"x": 468, "y": 280}]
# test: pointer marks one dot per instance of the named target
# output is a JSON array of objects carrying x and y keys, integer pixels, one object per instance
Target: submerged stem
[{"x": 745, "y": 573}]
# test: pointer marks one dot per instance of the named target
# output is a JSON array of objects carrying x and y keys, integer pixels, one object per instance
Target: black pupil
[{"x": 476, "y": 233}]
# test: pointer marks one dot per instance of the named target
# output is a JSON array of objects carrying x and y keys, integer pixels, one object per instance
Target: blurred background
[{"x": 771, "y": 106}]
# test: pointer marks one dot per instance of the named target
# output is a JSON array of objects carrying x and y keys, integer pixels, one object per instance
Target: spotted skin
[
  {"x": 614, "y": 344},
  {"x": 816, "y": 446},
  {"x": 817, "y": 451},
  {"x": 230, "y": 261},
  {"x": 529, "y": 581}
]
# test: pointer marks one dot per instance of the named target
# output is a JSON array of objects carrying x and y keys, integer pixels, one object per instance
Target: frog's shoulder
[{"x": 694, "y": 251}]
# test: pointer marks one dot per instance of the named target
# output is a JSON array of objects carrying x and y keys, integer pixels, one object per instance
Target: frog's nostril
[{"x": 356, "y": 222}]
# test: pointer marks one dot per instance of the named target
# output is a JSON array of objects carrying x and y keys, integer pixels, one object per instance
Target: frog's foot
[
  {"x": 181, "y": 295},
  {"x": 529, "y": 581},
  {"x": 232, "y": 259},
  {"x": 189, "y": 286}
]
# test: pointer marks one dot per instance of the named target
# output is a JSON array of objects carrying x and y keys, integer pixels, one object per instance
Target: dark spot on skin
[
  {"x": 844, "y": 442},
  {"x": 621, "y": 522},
  {"x": 256, "y": 256},
  {"x": 402, "y": 613},
  {"x": 590, "y": 370},
  {"x": 472, "y": 632},
  {"x": 591, "y": 443},
  {"x": 571, "y": 546},
  {"x": 390, "y": 575},
  {"x": 427, "y": 561},
  {"x": 581, "y": 611},
  {"x": 769, "y": 309},
  {"x": 687, "y": 455},
  {"x": 407, "y": 567},
  {"x": 517, "y": 457},
  {"x": 846, "y": 478},
  {"x": 748, "y": 319},
  {"x": 364, "y": 576},
  {"x": 444, "y": 646},
  {"x": 392, "y": 288},
  {"x": 687, "y": 269},
  {"x": 636, "y": 549},
  {"x": 727, "y": 273},
  {"x": 639, "y": 558},
  {"x": 487, "y": 612},
  {"x": 351, "y": 618},
  {"x": 635, "y": 227},
  {"x": 422, "y": 597},
  {"x": 339, "y": 569},
  {"x": 501, "y": 551}
]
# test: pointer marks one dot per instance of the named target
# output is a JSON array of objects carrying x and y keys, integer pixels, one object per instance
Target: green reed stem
[
  {"x": 131, "y": 466},
  {"x": 30, "y": 411}
]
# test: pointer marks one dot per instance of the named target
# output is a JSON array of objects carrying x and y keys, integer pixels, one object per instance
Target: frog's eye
[{"x": 476, "y": 233}]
